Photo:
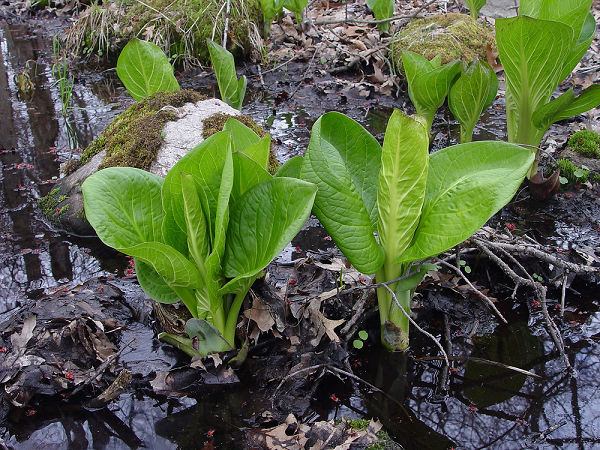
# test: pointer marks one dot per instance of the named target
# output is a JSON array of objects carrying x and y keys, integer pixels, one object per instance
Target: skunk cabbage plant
[
  {"x": 539, "y": 49},
  {"x": 472, "y": 94},
  {"x": 387, "y": 208},
  {"x": 205, "y": 232},
  {"x": 428, "y": 82},
  {"x": 232, "y": 90}
]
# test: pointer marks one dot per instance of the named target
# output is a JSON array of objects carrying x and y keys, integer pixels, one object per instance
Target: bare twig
[{"x": 476, "y": 291}]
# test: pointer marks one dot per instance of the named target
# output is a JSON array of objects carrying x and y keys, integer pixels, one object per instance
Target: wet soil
[{"x": 88, "y": 307}]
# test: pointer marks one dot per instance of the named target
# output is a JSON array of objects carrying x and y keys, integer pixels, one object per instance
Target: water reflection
[{"x": 34, "y": 140}]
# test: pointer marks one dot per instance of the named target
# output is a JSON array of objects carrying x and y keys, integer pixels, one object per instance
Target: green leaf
[
  {"x": 296, "y": 6},
  {"x": 242, "y": 137},
  {"x": 263, "y": 221},
  {"x": 344, "y": 160},
  {"x": 382, "y": 9},
  {"x": 206, "y": 163},
  {"x": 466, "y": 185},
  {"x": 428, "y": 82},
  {"x": 144, "y": 69},
  {"x": 119, "y": 214},
  {"x": 471, "y": 94},
  {"x": 232, "y": 91},
  {"x": 474, "y": 7},
  {"x": 402, "y": 180},
  {"x": 153, "y": 284},
  {"x": 259, "y": 151},
  {"x": 533, "y": 53},
  {"x": 270, "y": 8},
  {"x": 172, "y": 266},
  {"x": 247, "y": 174},
  {"x": 206, "y": 337},
  {"x": 565, "y": 106},
  {"x": 292, "y": 168},
  {"x": 363, "y": 335},
  {"x": 198, "y": 237}
]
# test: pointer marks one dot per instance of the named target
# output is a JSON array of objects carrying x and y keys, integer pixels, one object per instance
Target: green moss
[
  {"x": 180, "y": 28},
  {"x": 49, "y": 205},
  {"x": 384, "y": 443},
  {"x": 575, "y": 175},
  {"x": 134, "y": 137},
  {"x": 453, "y": 36},
  {"x": 586, "y": 142}
]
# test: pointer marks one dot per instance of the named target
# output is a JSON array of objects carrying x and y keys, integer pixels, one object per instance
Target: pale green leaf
[
  {"x": 428, "y": 84},
  {"x": 565, "y": 106},
  {"x": 172, "y": 266},
  {"x": 198, "y": 237},
  {"x": 144, "y": 69},
  {"x": 242, "y": 137},
  {"x": 474, "y": 7},
  {"x": 533, "y": 53},
  {"x": 292, "y": 168},
  {"x": 402, "y": 180},
  {"x": 205, "y": 162},
  {"x": 153, "y": 284}
]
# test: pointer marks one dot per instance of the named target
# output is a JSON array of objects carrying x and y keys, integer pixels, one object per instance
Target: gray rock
[{"x": 64, "y": 205}]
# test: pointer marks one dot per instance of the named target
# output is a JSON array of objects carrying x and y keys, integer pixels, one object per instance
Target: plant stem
[{"x": 232, "y": 317}]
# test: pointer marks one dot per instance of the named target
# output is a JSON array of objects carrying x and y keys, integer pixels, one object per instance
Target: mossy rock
[
  {"x": 179, "y": 28},
  {"x": 586, "y": 142},
  {"x": 151, "y": 135},
  {"x": 453, "y": 36},
  {"x": 134, "y": 137}
]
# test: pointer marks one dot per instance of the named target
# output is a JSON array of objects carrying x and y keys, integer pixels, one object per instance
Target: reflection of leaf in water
[{"x": 516, "y": 347}]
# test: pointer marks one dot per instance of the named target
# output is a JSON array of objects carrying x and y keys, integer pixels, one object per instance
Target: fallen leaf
[
  {"x": 260, "y": 314},
  {"x": 330, "y": 326},
  {"x": 492, "y": 60}
]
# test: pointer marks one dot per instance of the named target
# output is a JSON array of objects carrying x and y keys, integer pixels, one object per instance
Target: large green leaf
[
  {"x": 344, "y": 160},
  {"x": 259, "y": 151},
  {"x": 428, "y": 82},
  {"x": 119, "y": 214},
  {"x": 270, "y": 8},
  {"x": 232, "y": 91},
  {"x": 466, "y": 185},
  {"x": 402, "y": 180},
  {"x": 144, "y": 69},
  {"x": 471, "y": 94},
  {"x": 263, "y": 221},
  {"x": 533, "y": 53},
  {"x": 574, "y": 13},
  {"x": 565, "y": 106},
  {"x": 198, "y": 233}
]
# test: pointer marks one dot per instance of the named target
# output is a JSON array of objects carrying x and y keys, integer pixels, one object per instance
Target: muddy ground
[{"x": 82, "y": 368}]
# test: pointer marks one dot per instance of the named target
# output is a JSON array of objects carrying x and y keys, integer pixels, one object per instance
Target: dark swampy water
[{"x": 481, "y": 408}]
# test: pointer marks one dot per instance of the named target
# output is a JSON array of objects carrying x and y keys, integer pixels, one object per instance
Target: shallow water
[{"x": 498, "y": 412}]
